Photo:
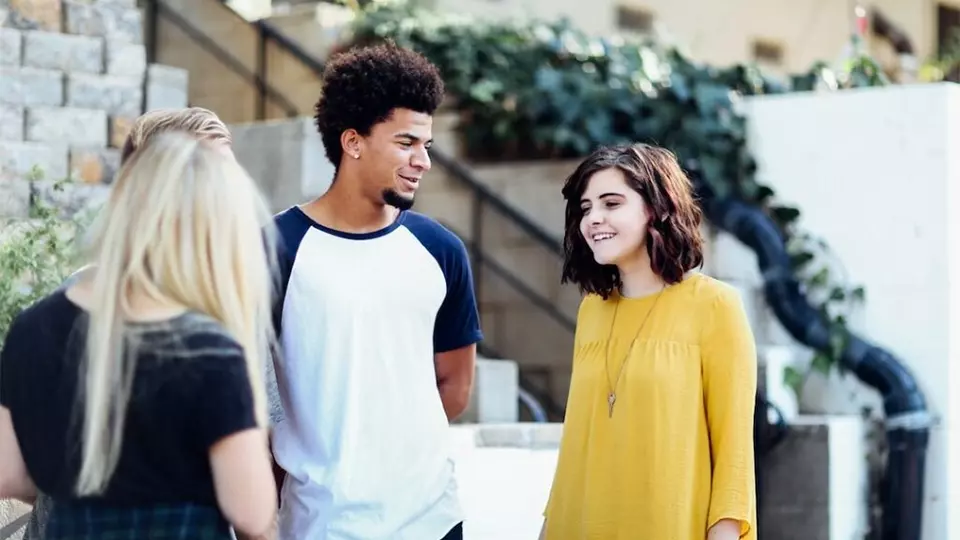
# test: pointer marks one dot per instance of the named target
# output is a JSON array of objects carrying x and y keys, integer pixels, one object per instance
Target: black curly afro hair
[{"x": 362, "y": 86}]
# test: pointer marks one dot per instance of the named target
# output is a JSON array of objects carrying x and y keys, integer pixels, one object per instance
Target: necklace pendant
[{"x": 611, "y": 399}]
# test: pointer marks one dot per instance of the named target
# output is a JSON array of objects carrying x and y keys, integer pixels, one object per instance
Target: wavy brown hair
[{"x": 674, "y": 242}]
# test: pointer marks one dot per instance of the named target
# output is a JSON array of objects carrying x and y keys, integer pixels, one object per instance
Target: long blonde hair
[
  {"x": 184, "y": 225},
  {"x": 197, "y": 121}
]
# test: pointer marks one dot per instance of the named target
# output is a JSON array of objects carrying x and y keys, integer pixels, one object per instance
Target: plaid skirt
[{"x": 185, "y": 521}]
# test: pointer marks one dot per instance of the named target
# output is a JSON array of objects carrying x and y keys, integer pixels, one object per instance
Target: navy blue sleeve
[
  {"x": 291, "y": 226},
  {"x": 458, "y": 322}
]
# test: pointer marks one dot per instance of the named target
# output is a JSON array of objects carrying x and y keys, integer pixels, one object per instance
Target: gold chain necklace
[{"x": 612, "y": 395}]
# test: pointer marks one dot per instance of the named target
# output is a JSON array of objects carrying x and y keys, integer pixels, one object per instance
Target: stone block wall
[{"x": 73, "y": 77}]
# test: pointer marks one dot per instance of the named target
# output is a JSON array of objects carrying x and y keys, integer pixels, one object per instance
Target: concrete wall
[
  {"x": 723, "y": 32},
  {"x": 285, "y": 157},
  {"x": 880, "y": 185},
  {"x": 495, "y": 397}
]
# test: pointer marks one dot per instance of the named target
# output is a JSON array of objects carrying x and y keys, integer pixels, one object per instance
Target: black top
[{"x": 190, "y": 389}]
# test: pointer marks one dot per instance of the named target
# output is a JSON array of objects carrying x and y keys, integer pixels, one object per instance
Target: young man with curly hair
[{"x": 377, "y": 320}]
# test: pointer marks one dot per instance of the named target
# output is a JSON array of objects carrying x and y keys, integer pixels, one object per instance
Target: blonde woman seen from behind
[{"x": 160, "y": 350}]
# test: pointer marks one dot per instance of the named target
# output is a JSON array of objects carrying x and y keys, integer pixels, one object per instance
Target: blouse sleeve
[
  {"x": 730, "y": 385},
  {"x": 225, "y": 404}
]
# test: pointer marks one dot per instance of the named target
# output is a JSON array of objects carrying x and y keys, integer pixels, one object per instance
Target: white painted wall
[
  {"x": 876, "y": 173},
  {"x": 848, "y": 476}
]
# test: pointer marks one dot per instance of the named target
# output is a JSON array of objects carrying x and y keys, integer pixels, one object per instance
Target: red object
[{"x": 862, "y": 25}]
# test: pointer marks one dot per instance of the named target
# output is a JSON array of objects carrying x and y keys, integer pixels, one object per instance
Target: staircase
[{"x": 237, "y": 67}]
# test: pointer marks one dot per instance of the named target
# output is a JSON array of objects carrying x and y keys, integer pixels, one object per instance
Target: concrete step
[
  {"x": 772, "y": 361},
  {"x": 496, "y": 393},
  {"x": 815, "y": 485}
]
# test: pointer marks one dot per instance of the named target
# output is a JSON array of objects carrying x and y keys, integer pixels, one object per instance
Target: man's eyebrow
[{"x": 411, "y": 136}]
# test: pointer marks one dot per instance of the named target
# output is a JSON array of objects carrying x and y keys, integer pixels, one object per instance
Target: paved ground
[{"x": 503, "y": 491}]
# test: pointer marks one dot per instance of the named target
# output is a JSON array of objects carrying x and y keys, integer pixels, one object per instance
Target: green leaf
[
  {"x": 837, "y": 294},
  {"x": 793, "y": 379},
  {"x": 821, "y": 278},
  {"x": 485, "y": 91},
  {"x": 763, "y": 193},
  {"x": 713, "y": 174},
  {"x": 801, "y": 259},
  {"x": 821, "y": 363},
  {"x": 858, "y": 294},
  {"x": 711, "y": 98},
  {"x": 784, "y": 214},
  {"x": 838, "y": 342}
]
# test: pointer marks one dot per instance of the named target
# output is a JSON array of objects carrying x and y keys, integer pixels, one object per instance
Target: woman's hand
[
  {"x": 15, "y": 481},
  {"x": 725, "y": 529}
]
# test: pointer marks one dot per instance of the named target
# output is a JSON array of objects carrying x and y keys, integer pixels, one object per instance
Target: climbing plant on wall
[
  {"x": 36, "y": 254},
  {"x": 540, "y": 90}
]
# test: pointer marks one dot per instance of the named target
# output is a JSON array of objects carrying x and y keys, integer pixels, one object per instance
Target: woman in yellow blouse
[{"x": 658, "y": 436}]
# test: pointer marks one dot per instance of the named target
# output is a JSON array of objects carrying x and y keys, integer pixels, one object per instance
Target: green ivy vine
[
  {"x": 36, "y": 254},
  {"x": 545, "y": 90}
]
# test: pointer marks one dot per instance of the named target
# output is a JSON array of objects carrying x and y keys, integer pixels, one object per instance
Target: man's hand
[{"x": 455, "y": 378}]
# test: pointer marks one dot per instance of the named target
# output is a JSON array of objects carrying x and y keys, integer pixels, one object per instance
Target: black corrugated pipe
[{"x": 907, "y": 419}]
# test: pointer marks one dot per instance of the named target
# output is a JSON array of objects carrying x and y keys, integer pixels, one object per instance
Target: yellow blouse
[{"x": 676, "y": 457}]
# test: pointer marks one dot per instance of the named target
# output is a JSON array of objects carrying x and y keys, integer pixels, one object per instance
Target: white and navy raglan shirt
[{"x": 364, "y": 438}]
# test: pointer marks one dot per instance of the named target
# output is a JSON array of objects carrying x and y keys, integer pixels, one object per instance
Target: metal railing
[{"x": 157, "y": 10}]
